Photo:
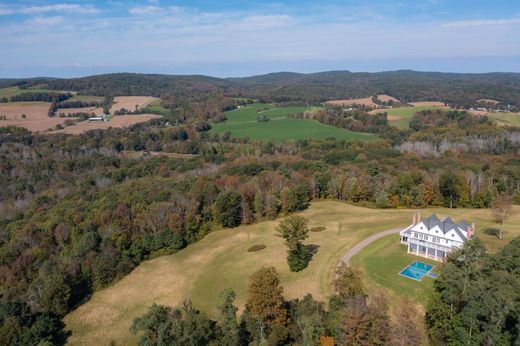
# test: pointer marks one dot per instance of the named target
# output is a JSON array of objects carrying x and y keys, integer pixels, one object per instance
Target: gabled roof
[
  {"x": 446, "y": 225},
  {"x": 431, "y": 221}
]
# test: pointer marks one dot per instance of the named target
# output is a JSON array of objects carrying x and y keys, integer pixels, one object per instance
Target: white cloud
[
  {"x": 68, "y": 8},
  {"x": 481, "y": 22},
  {"x": 46, "y": 21},
  {"x": 146, "y": 10}
]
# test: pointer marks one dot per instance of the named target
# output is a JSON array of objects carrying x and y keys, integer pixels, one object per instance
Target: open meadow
[
  {"x": 505, "y": 119},
  {"x": 243, "y": 123},
  {"x": 221, "y": 260},
  {"x": 130, "y": 103},
  {"x": 30, "y": 115},
  {"x": 366, "y": 101},
  {"x": 400, "y": 117}
]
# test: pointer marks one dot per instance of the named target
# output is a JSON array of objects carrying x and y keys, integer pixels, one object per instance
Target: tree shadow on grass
[
  {"x": 492, "y": 231},
  {"x": 311, "y": 249}
]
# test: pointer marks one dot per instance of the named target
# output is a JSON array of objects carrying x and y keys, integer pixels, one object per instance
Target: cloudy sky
[{"x": 236, "y": 38}]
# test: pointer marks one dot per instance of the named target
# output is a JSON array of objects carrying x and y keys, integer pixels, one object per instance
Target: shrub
[
  {"x": 317, "y": 229},
  {"x": 256, "y": 247}
]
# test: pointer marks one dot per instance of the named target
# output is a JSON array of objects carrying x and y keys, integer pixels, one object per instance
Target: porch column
[
  {"x": 408, "y": 251},
  {"x": 417, "y": 249},
  {"x": 435, "y": 254}
]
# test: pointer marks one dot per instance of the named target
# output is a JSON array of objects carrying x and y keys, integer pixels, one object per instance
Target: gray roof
[
  {"x": 446, "y": 225},
  {"x": 431, "y": 221}
]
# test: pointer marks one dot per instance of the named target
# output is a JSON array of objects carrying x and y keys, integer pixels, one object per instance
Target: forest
[
  {"x": 78, "y": 213},
  {"x": 459, "y": 90}
]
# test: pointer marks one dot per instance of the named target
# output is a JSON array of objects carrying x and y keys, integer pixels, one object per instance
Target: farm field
[
  {"x": 97, "y": 111},
  {"x": 505, "y": 119},
  {"x": 400, "y": 117},
  {"x": 242, "y": 123},
  {"x": 131, "y": 102},
  {"x": 366, "y": 101},
  {"x": 221, "y": 260},
  {"x": 427, "y": 104},
  {"x": 36, "y": 118},
  {"x": 115, "y": 121},
  {"x": 155, "y": 107}
]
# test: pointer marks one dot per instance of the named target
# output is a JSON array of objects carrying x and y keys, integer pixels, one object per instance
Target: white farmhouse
[{"x": 435, "y": 239}]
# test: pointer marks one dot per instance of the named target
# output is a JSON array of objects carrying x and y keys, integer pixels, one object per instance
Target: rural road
[{"x": 360, "y": 246}]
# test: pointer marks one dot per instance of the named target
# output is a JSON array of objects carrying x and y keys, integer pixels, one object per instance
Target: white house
[{"x": 433, "y": 238}]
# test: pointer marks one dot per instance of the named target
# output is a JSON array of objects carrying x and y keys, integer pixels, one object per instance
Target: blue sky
[{"x": 235, "y": 38}]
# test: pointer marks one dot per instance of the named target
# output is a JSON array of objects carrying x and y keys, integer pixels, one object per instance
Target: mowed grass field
[
  {"x": 506, "y": 119},
  {"x": 220, "y": 260},
  {"x": 381, "y": 262},
  {"x": 242, "y": 123},
  {"x": 400, "y": 117}
]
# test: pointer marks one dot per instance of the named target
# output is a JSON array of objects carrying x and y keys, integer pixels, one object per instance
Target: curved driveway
[{"x": 361, "y": 245}]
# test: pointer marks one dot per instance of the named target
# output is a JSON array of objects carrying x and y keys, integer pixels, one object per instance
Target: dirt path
[{"x": 360, "y": 246}]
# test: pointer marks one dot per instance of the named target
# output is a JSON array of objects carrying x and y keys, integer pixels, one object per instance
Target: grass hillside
[
  {"x": 400, "y": 117},
  {"x": 221, "y": 260},
  {"x": 506, "y": 119},
  {"x": 15, "y": 91},
  {"x": 243, "y": 123}
]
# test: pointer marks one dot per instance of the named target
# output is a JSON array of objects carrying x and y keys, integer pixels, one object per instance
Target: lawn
[
  {"x": 242, "y": 123},
  {"x": 383, "y": 260},
  {"x": 220, "y": 260}
]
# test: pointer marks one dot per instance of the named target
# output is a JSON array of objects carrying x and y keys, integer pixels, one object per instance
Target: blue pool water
[{"x": 416, "y": 270}]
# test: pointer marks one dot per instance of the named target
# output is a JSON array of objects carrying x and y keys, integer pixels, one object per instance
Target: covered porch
[{"x": 426, "y": 251}]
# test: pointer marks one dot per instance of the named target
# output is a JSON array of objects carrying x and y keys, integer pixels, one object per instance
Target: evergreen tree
[{"x": 228, "y": 319}]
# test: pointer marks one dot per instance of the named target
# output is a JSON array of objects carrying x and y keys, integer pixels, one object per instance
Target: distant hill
[{"x": 462, "y": 89}]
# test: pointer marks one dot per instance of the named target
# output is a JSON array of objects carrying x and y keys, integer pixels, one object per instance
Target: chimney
[
  {"x": 416, "y": 218},
  {"x": 471, "y": 231}
]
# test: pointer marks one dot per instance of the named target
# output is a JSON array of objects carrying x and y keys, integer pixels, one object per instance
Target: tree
[
  {"x": 228, "y": 210},
  {"x": 347, "y": 282},
  {"x": 449, "y": 186},
  {"x": 407, "y": 329},
  {"x": 228, "y": 319},
  {"x": 165, "y": 326},
  {"x": 309, "y": 315},
  {"x": 294, "y": 230},
  {"x": 295, "y": 198},
  {"x": 501, "y": 209},
  {"x": 265, "y": 301}
]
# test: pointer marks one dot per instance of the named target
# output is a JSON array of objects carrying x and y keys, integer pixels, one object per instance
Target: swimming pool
[{"x": 416, "y": 270}]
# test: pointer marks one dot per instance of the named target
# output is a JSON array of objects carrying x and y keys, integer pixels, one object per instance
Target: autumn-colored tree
[
  {"x": 347, "y": 282},
  {"x": 364, "y": 322},
  {"x": 501, "y": 209},
  {"x": 265, "y": 301},
  {"x": 407, "y": 329}
]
